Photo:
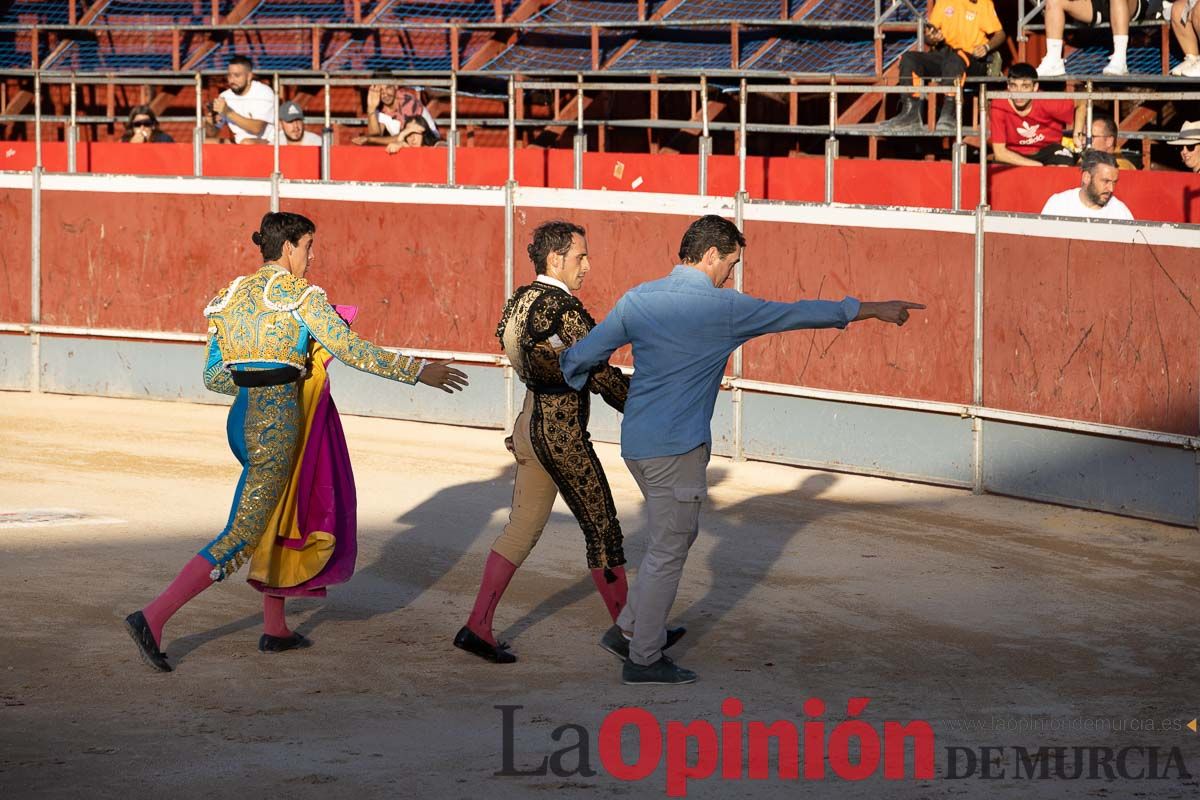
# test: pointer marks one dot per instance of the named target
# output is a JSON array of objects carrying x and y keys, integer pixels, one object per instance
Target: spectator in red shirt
[{"x": 1029, "y": 132}]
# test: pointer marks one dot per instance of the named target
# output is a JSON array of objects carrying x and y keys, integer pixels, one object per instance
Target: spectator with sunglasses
[
  {"x": 142, "y": 127},
  {"x": 1189, "y": 145}
]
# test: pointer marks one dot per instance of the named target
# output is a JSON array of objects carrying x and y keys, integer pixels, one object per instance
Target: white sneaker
[
  {"x": 1191, "y": 70},
  {"x": 1051, "y": 67},
  {"x": 1187, "y": 63},
  {"x": 1116, "y": 67}
]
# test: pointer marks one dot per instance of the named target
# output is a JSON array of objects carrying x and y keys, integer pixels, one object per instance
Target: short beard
[{"x": 1095, "y": 198}]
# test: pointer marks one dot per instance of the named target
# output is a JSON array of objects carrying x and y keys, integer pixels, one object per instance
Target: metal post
[
  {"x": 705, "y": 148},
  {"x": 452, "y": 141},
  {"x": 37, "y": 119},
  {"x": 35, "y": 245},
  {"x": 1087, "y": 141},
  {"x": 198, "y": 133},
  {"x": 741, "y": 137},
  {"x": 512, "y": 131},
  {"x": 983, "y": 145},
  {"x": 977, "y": 354},
  {"x": 72, "y": 133},
  {"x": 580, "y": 134},
  {"x": 956, "y": 156},
  {"x": 739, "y": 213},
  {"x": 275, "y": 146},
  {"x": 509, "y": 212},
  {"x": 327, "y": 138},
  {"x": 831, "y": 144}
]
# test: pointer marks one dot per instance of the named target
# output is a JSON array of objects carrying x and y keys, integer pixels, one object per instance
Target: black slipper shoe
[
  {"x": 468, "y": 640},
  {"x": 278, "y": 644},
  {"x": 139, "y": 631}
]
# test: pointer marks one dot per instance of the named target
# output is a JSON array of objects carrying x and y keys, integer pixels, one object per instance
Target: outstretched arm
[
  {"x": 348, "y": 347},
  {"x": 577, "y": 362},
  {"x": 752, "y": 316}
]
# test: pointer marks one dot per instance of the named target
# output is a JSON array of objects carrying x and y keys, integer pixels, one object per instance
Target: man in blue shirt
[{"x": 683, "y": 329}]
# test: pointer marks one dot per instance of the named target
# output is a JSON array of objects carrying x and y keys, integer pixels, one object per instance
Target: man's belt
[{"x": 255, "y": 378}]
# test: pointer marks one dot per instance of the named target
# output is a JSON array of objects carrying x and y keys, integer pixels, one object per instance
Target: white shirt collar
[{"x": 552, "y": 282}]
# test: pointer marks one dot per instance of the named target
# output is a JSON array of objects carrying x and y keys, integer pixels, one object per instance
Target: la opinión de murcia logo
[
  {"x": 735, "y": 749},
  {"x": 852, "y": 750}
]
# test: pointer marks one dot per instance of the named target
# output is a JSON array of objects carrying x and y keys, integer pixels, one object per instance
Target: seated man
[
  {"x": 1185, "y": 21},
  {"x": 291, "y": 122},
  {"x": 963, "y": 34},
  {"x": 247, "y": 108},
  {"x": 1029, "y": 132},
  {"x": 1094, "y": 198},
  {"x": 1116, "y": 13},
  {"x": 1104, "y": 140},
  {"x": 1189, "y": 145}
]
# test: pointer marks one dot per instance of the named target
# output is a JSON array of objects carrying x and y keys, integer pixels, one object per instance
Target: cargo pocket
[{"x": 687, "y": 508}]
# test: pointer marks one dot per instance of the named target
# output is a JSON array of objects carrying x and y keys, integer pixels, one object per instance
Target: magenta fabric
[{"x": 326, "y": 500}]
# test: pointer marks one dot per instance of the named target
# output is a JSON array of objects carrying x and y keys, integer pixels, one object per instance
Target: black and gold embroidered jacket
[{"x": 539, "y": 321}]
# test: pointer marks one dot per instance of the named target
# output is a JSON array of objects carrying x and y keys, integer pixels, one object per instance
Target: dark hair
[
  {"x": 1110, "y": 125},
  {"x": 1022, "y": 72},
  {"x": 134, "y": 113},
  {"x": 554, "y": 236},
  {"x": 243, "y": 60},
  {"x": 277, "y": 228},
  {"x": 1094, "y": 158},
  {"x": 428, "y": 137},
  {"x": 142, "y": 111},
  {"x": 709, "y": 231}
]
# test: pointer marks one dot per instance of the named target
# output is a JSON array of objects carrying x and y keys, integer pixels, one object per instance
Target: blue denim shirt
[{"x": 683, "y": 330}]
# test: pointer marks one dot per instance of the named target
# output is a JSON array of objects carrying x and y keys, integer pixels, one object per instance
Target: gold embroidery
[
  {"x": 271, "y": 432},
  {"x": 263, "y": 318},
  {"x": 533, "y": 316}
]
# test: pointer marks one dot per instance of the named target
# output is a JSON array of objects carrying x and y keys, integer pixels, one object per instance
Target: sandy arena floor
[{"x": 1000, "y": 622}]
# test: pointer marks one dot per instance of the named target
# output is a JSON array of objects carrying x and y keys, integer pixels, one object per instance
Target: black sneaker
[
  {"x": 615, "y": 642},
  {"x": 661, "y": 672},
  {"x": 139, "y": 630}
]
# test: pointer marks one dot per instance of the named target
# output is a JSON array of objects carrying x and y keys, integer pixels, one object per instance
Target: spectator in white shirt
[
  {"x": 247, "y": 107},
  {"x": 1094, "y": 199},
  {"x": 291, "y": 122}
]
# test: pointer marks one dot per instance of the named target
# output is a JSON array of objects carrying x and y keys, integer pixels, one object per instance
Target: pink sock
[
  {"x": 613, "y": 592},
  {"x": 191, "y": 581},
  {"x": 274, "y": 623},
  {"x": 496, "y": 574}
]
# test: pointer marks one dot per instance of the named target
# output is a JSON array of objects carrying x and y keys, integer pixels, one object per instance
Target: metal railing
[{"x": 831, "y": 130}]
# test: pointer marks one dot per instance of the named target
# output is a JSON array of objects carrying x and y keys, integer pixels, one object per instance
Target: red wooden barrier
[
  {"x": 1093, "y": 331},
  {"x": 141, "y": 261},
  {"x": 930, "y": 360},
  {"x": 15, "y": 228},
  {"x": 429, "y": 277}
]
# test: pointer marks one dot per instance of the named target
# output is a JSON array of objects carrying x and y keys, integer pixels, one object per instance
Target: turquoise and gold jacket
[{"x": 267, "y": 320}]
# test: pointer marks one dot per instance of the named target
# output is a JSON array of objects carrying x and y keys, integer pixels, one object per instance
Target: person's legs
[
  {"x": 533, "y": 498},
  {"x": 1185, "y": 22},
  {"x": 1054, "y": 155},
  {"x": 1122, "y": 12},
  {"x": 674, "y": 488},
  {"x": 1055, "y": 18},
  {"x": 264, "y": 430},
  {"x": 558, "y": 436},
  {"x": 913, "y": 68}
]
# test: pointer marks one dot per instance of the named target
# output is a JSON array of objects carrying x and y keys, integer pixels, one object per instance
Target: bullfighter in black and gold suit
[{"x": 550, "y": 440}]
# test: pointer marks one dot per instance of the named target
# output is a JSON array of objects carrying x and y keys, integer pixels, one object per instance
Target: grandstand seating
[{"x": 395, "y": 46}]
